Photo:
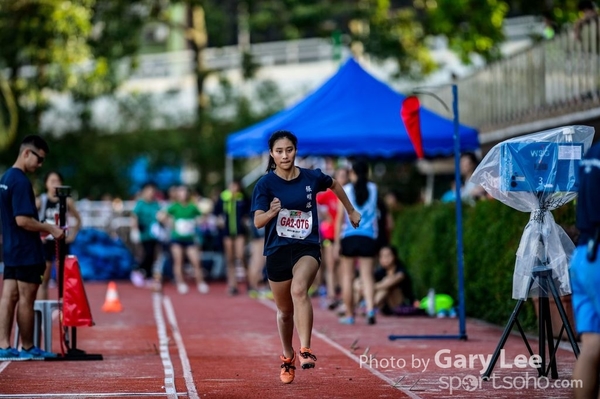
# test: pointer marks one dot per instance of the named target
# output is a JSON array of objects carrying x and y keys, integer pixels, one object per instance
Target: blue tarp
[
  {"x": 100, "y": 256},
  {"x": 352, "y": 113}
]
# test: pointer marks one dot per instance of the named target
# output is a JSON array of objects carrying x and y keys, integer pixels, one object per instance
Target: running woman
[{"x": 284, "y": 202}]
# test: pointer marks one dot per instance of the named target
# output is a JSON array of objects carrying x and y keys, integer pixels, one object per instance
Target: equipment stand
[
  {"x": 69, "y": 338},
  {"x": 543, "y": 276}
]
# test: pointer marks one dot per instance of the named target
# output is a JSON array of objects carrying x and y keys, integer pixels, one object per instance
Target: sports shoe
[
  {"x": 371, "y": 317},
  {"x": 288, "y": 369},
  {"x": 307, "y": 359},
  {"x": 11, "y": 354},
  {"x": 347, "y": 320},
  {"x": 203, "y": 288},
  {"x": 137, "y": 278},
  {"x": 182, "y": 288},
  {"x": 232, "y": 291},
  {"x": 266, "y": 294},
  {"x": 37, "y": 353}
]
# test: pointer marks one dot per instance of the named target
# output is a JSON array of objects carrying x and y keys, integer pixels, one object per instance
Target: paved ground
[{"x": 215, "y": 346}]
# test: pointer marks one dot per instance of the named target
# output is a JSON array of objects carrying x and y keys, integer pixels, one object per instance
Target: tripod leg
[
  {"x": 549, "y": 339},
  {"x": 565, "y": 320},
  {"x": 507, "y": 329},
  {"x": 542, "y": 331}
]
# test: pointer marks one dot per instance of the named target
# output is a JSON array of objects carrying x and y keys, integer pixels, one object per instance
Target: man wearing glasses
[{"x": 24, "y": 263}]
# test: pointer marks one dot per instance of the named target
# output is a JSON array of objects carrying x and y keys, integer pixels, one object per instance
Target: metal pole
[
  {"x": 462, "y": 334},
  {"x": 459, "y": 227}
]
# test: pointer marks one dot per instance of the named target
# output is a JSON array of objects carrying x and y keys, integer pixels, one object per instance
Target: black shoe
[{"x": 371, "y": 317}]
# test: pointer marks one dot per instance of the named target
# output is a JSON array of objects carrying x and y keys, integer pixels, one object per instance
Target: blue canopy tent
[{"x": 351, "y": 114}]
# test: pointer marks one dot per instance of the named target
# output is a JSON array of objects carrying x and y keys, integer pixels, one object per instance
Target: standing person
[
  {"x": 358, "y": 244},
  {"x": 233, "y": 209},
  {"x": 328, "y": 202},
  {"x": 184, "y": 217},
  {"x": 256, "y": 264},
  {"x": 23, "y": 252},
  {"x": 284, "y": 202},
  {"x": 470, "y": 192},
  {"x": 146, "y": 228},
  {"x": 585, "y": 276},
  {"x": 47, "y": 205}
]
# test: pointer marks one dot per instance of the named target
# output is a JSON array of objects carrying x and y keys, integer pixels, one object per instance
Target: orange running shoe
[
  {"x": 307, "y": 359},
  {"x": 288, "y": 369}
]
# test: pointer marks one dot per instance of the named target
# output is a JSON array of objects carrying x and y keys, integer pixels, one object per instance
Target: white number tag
[{"x": 294, "y": 224}]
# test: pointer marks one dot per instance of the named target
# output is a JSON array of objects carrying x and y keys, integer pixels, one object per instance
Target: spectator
[
  {"x": 393, "y": 286},
  {"x": 233, "y": 209},
  {"x": 328, "y": 208},
  {"x": 358, "y": 244},
  {"x": 48, "y": 209},
  {"x": 470, "y": 192},
  {"x": 146, "y": 230},
  {"x": 184, "y": 217}
]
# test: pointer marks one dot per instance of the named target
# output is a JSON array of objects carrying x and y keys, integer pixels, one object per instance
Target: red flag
[
  {"x": 76, "y": 309},
  {"x": 410, "y": 116}
]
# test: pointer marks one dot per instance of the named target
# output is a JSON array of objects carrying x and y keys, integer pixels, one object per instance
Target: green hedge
[{"x": 425, "y": 237}]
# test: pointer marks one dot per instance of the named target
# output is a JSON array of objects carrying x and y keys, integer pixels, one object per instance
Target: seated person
[{"x": 393, "y": 287}]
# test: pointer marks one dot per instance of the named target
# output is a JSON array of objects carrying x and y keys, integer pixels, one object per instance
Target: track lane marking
[
  {"x": 337, "y": 346},
  {"x": 3, "y": 365},
  {"x": 183, "y": 357},
  {"x": 163, "y": 344}
]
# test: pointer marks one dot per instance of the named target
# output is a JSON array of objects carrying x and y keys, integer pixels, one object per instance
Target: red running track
[{"x": 215, "y": 346}]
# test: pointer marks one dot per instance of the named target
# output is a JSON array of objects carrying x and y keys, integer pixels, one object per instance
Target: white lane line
[
  {"x": 163, "y": 344},
  {"x": 183, "y": 357},
  {"x": 337, "y": 346},
  {"x": 3, "y": 365}
]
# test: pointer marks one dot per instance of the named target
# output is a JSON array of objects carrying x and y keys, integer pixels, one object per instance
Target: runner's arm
[
  {"x": 354, "y": 216},
  {"x": 261, "y": 218}
]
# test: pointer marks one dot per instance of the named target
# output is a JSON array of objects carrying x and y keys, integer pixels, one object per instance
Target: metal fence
[
  {"x": 112, "y": 217},
  {"x": 182, "y": 63},
  {"x": 550, "y": 78}
]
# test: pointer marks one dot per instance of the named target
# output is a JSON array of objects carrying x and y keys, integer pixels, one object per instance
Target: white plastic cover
[{"x": 537, "y": 173}]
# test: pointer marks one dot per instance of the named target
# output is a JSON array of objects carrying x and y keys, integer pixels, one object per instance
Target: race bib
[
  {"x": 185, "y": 227},
  {"x": 294, "y": 224}
]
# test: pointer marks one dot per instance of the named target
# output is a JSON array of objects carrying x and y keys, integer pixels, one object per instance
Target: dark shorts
[
  {"x": 360, "y": 246},
  {"x": 281, "y": 263},
  {"x": 50, "y": 250},
  {"x": 28, "y": 274}
]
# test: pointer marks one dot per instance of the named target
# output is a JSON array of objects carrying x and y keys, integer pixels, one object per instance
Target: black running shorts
[
  {"x": 359, "y": 246},
  {"x": 281, "y": 263},
  {"x": 28, "y": 274}
]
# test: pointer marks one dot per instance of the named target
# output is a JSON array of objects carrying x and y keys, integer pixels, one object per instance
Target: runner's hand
[
  {"x": 275, "y": 206},
  {"x": 354, "y": 218}
]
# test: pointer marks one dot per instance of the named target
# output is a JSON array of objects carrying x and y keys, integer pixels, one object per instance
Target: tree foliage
[{"x": 87, "y": 48}]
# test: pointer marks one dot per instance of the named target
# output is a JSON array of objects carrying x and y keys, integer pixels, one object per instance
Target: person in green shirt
[
  {"x": 144, "y": 230},
  {"x": 183, "y": 217}
]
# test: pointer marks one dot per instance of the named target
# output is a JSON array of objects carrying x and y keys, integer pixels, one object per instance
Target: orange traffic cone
[{"x": 112, "y": 303}]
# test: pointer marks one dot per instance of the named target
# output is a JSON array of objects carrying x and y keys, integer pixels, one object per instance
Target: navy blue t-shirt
[
  {"x": 20, "y": 247},
  {"x": 299, "y": 194},
  {"x": 588, "y": 201}
]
